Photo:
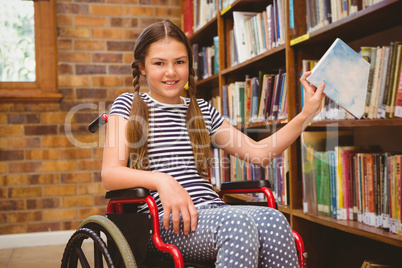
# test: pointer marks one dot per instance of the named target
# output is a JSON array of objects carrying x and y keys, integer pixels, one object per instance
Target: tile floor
[{"x": 35, "y": 257}]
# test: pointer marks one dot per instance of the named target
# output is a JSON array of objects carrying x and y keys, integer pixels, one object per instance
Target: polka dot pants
[{"x": 235, "y": 236}]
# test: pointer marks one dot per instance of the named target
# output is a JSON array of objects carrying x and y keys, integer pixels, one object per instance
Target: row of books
[
  {"x": 324, "y": 12},
  {"x": 384, "y": 89},
  {"x": 229, "y": 168},
  {"x": 353, "y": 183},
  {"x": 385, "y": 81},
  {"x": 256, "y": 32},
  {"x": 256, "y": 99},
  {"x": 206, "y": 60},
  {"x": 196, "y": 13}
]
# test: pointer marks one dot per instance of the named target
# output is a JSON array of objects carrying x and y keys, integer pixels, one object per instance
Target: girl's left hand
[{"x": 312, "y": 97}]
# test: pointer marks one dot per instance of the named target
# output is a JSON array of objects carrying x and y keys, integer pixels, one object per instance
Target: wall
[{"x": 49, "y": 162}]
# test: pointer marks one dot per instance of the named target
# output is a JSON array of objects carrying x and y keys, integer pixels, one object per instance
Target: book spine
[
  {"x": 398, "y": 192},
  {"x": 370, "y": 214},
  {"x": 398, "y": 102},
  {"x": 332, "y": 182},
  {"x": 385, "y": 202},
  {"x": 395, "y": 71},
  {"x": 369, "y": 54},
  {"x": 216, "y": 56}
]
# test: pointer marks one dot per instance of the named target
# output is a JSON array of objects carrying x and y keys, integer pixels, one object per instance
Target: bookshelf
[{"x": 329, "y": 242}]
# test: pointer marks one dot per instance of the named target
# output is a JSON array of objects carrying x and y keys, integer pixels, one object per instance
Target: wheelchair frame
[{"x": 125, "y": 248}]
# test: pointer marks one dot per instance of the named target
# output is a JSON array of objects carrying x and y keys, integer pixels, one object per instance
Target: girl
[{"x": 166, "y": 139}]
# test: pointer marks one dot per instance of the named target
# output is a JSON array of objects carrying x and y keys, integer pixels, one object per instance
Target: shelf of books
[
  {"x": 320, "y": 25},
  {"x": 248, "y": 58},
  {"x": 350, "y": 167}
]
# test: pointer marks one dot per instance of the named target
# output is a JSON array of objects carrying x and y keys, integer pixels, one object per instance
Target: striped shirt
[{"x": 169, "y": 146}]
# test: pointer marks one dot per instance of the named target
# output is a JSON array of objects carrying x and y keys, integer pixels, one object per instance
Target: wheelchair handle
[{"x": 98, "y": 122}]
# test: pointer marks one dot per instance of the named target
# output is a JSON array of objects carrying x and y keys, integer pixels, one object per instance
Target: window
[{"x": 34, "y": 77}]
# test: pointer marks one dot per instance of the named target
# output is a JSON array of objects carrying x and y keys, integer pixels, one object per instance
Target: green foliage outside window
[{"x": 17, "y": 41}]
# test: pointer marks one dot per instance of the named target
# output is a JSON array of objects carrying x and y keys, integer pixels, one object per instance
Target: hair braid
[
  {"x": 137, "y": 126},
  {"x": 199, "y": 137}
]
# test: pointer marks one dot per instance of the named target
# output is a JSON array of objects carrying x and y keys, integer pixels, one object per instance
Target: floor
[{"x": 34, "y": 257}]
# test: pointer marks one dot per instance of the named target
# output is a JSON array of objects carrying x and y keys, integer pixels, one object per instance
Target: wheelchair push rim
[{"x": 115, "y": 252}]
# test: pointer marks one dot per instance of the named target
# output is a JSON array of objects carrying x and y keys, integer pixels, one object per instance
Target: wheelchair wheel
[{"x": 115, "y": 252}]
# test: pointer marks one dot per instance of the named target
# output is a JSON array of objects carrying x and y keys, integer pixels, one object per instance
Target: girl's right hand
[
  {"x": 176, "y": 201},
  {"x": 312, "y": 97}
]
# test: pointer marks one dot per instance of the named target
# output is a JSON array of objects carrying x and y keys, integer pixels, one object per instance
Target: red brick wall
[{"x": 49, "y": 180}]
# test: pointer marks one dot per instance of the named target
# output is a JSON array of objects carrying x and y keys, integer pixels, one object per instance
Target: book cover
[
  {"x": 382, "y": 99},
  {"x": 376, "y": 83},
  {"x": 240, "y": 114},
  {"x": 369, "y": 54},
  {"x": 398, "y": 102},
  {"x": 385, "y": 199},
  {"x": 270, "y": 91},
  {"x": 283, "y": 98},
  {"x": 247, "y": 100},
  {"x": 225, "y": 103},
  {"x": 240, "y": 32},
  {"x": 309, "y": 179},
  {"x": 345, "y": 74},
  {"x": 276, "y": 95},
  {"x": 263, "y": 98},
  {"x": 332, "y": 178},
  {"x": 187, "y": 17},
  {"x": 254, "y": 100},
  {"x": 370, "y": 207},
  {"x": 216, "y": 56},
  {"x": 323, "y": 184},
  {"x": 395, "y": 67}
]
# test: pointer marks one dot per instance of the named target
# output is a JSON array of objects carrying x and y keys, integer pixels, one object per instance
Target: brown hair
[{"x": 137, "y": 131}]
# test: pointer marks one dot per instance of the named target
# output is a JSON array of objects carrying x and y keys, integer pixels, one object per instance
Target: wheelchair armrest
[
  {"x": 127, "y": 193},
  {"x": 233, "y": 185},
  {"x": 257, "y": 186}
]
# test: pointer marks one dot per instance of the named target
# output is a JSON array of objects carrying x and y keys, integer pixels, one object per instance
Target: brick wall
[{"x": 49, "y": 162}]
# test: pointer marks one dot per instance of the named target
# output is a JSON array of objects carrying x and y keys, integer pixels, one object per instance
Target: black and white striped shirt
[{"x": 169, "y": 146}]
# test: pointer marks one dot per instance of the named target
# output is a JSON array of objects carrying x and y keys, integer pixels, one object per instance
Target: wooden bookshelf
[
  {"x": 352, "y": 227},
  {"x": 329, "y": 242},
  {"x": 397, "y": 122}
]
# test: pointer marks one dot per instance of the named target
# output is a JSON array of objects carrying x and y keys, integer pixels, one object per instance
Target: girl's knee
[
  {"x": 240, "y": 228},
  {"x": 238, "y": 240}
]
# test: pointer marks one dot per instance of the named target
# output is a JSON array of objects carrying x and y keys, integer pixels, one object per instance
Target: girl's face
[{"x": 166, "y": 69}]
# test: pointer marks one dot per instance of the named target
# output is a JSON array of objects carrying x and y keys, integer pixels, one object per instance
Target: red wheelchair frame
[
  {"x": 117, "y": 213},
  {"x": 115, "y": 205}
]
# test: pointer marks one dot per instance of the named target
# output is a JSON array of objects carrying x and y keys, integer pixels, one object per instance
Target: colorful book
[
  {"x": 398, "y": 102},
  {"x": 345, "y": 74}
]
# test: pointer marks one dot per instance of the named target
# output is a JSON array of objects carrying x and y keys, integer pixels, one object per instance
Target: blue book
[
  {"x": 345, "y": 74},
  {"x": 216, "y": 58},
  {"x": 225, "y": 102}
]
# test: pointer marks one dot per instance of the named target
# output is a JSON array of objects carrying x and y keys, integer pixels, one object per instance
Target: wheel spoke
[
  {"x": 81, "y": 256},
  {"x": 98, "y": 254},
  {"x": 107, "y": 252}
]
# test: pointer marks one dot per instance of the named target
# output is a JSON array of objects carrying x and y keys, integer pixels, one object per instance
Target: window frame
[{"x": 45, "y": 87}]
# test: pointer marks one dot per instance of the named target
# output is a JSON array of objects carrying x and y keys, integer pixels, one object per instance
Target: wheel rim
[
  {"x": 115, "y": 252},
  {"x": 74, "y": 252}
]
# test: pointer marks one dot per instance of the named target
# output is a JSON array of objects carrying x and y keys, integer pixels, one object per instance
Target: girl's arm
[
  {"x": 116, "y": 175},
  {"x": 262, "y": 152}
]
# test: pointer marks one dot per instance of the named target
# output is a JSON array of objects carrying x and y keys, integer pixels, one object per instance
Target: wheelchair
[{"x": 120, "y": 238}]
